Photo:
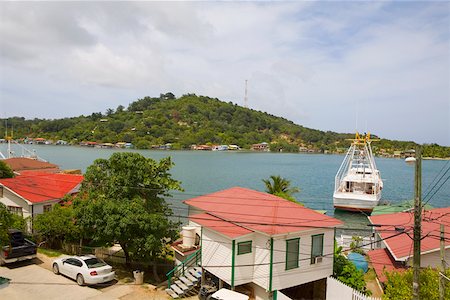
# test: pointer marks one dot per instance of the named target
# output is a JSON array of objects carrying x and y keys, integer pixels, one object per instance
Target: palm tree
[{"x": 281, "y": 187}]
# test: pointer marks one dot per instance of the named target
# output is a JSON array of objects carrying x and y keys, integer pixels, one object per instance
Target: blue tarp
[{"x": 359, "y": 261}]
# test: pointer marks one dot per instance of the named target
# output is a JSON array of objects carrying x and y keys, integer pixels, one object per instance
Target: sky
[{"x": 382, "y": 67}]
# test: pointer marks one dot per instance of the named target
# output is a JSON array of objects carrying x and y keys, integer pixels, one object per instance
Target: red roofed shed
[{"x": 400, "y": 247}]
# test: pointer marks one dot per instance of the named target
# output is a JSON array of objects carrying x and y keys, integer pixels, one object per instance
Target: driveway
[{"x": 31, "y": 281}]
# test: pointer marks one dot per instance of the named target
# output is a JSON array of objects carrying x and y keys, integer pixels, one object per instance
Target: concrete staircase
[{"x": 185, "y": 285}]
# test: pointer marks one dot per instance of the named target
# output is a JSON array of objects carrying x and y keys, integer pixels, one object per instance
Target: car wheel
[
  {"x": 56, "y": 269},
  {"x": 80, "y": 280}
]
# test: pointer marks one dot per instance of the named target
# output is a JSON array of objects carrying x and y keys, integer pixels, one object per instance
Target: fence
[{"x": 336, "y": 290}]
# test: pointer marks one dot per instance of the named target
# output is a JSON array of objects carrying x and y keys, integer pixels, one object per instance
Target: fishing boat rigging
[{"x": 358, "y": 181}]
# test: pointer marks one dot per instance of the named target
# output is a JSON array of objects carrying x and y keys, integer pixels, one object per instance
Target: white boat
[{"x": 358, "y": 182}]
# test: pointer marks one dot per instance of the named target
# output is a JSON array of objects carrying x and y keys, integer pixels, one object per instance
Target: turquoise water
[{"x": 204, "y": 172}]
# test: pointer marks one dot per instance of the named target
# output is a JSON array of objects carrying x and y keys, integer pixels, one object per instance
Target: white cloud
[{"x": 309, "y": 62}]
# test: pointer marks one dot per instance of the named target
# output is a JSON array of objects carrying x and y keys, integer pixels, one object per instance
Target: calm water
[{"x": 204, "y": 172}]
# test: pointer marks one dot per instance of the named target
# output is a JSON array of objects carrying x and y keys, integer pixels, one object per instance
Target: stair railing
[{"x": 192, "y": 260}]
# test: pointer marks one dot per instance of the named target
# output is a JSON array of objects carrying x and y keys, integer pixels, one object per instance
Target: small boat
[{"x": 358, "y": 182}]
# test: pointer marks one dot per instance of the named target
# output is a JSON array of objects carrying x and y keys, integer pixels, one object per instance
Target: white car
[{"x": 84, "y": 269}]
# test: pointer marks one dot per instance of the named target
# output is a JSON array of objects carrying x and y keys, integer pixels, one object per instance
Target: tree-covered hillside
[{"x": 193, "y": 119}]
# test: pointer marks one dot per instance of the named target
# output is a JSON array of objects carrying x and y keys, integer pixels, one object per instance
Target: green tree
[
  {"x": 355, "y": 245},
  {"x": 5, "y": 170},
  {"x": 399, "y": 284},
  {"x": 56, "y": 226},
  {"x": 122, "y": 200},
  {"x": 7, "y": 221},
  {"x": 281, "y": 187},
  {"x": 346, "y": 271}
]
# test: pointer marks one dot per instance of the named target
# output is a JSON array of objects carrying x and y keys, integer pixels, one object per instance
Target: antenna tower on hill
[{"x": 246, "y": 97}]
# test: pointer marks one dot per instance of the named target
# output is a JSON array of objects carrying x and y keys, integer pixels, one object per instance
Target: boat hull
[{"x": 355, "y": 202}]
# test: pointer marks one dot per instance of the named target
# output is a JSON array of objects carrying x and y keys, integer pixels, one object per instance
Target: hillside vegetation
[{"x": 193, "y": 119}]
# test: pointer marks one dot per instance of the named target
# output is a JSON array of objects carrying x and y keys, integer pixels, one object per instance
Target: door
[{"x": 72, "y": 267}]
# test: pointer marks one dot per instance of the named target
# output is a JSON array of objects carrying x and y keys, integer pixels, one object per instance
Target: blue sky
[{"x": 382, "y": 67}]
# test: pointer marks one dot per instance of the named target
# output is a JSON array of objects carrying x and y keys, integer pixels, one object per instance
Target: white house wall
[
  {"x": 38, "y": 208},
  {"x": 261, "y": 269},
  {"x": 432, "y": 259},
  {"x": 11, "y": 199},
  {"x": 216, "y": 254},
  {"x": 306, "y": 272},
  {"x": 243, "y": 271}
]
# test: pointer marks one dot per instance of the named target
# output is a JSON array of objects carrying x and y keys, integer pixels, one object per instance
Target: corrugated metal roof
[
  {"x": 40, "y": 186},
  {"x": 382, "y": 262},
  {"x": 224, "y": 227},
  {"x": 258, "y": 211},
  {"x": 25, "y": 164},
  {"x": 401, "y": 246}
]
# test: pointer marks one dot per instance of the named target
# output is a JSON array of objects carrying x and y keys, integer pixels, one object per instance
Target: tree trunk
[
  {"x": 127, "y": 254},
  {"x": 155, "y": 272}
]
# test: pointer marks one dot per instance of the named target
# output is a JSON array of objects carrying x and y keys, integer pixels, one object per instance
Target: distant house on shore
[
  {"x": 36, "y": 192},
  {"x": 261, "y": 147},
  {"x": 263, "y": 243},
  {"x": 397, "y": 253}
]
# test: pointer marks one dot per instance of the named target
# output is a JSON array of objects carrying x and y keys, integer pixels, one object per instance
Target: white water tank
[{"x": 188, "y": 236}]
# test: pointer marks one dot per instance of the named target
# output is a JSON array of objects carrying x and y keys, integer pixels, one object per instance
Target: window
[
  {"x": 317, "y": 247},
  {"x": 47, "y": 208},
  {"x": 292, "y": 252},
  {"x": 244, "y": 247},
  {"x": 73, "y": 262},
  {"x": 1, "y": 191},
  {"x": 94, "y": 263},
  {"x": 15, "y": 210}
]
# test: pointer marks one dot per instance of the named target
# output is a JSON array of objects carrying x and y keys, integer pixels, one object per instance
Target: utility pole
[
  {"x": 417, "y": 222},
  {"x": 441, "y": 278}
]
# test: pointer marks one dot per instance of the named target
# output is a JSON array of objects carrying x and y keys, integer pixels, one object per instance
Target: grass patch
[
  {"x": 50, "y": 252},
  {"x": 370, "y": 275}
]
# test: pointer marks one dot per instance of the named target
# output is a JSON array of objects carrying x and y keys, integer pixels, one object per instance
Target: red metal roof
[
  {"x": 401, "y": 246},
  {"x": 382, "y": 262},
  {"x": 19, "y": 164},
  {"x": 40, "y": 186},
  {"x": 258, "y": 211},
  {"x": 229, "y": 229}
]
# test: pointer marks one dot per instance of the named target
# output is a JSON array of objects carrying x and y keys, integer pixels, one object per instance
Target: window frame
[
  {"x": 292, "y": 253},
  {"x": 17, "y": 210},
  {"x": 47, "y": 208},
  {"x": 241, "y": 243},
  {"x": 313, "y": 257}
]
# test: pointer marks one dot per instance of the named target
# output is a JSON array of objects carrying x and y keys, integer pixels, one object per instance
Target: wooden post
[
  {"x": 441, "y": 278},
  {"x": 417, "y": 222}
]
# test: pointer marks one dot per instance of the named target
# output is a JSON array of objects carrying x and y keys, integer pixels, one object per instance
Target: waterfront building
[{"x": 260, "y": 242}]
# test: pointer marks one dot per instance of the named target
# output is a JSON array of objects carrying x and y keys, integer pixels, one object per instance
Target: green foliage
[
  {"x": 353, "y": 277},
  {"x": 346, "y": 271},
  {"x": 355, "y": 245},
  {"x": 192, "y": 119},
  {"x": 399, "y": 285},
  {"x": 281, "y": 187},
  {"x": 122, "y": 200},
  {"x": 8, "y": 221},
  {"x": 56, "y": 226},
  {"x": 5, "y": 170}
]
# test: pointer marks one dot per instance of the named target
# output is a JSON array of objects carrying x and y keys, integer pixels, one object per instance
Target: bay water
[{"x": 202, "y": 172}]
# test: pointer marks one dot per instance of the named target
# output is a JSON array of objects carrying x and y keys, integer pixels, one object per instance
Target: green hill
[{"x": 193, "y": 119}]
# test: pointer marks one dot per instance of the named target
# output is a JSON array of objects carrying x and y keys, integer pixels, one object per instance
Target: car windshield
[{"x": 94, "y": 262}]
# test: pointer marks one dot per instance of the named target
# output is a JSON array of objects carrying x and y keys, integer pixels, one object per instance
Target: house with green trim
[{"x": 261, "y": 243}]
